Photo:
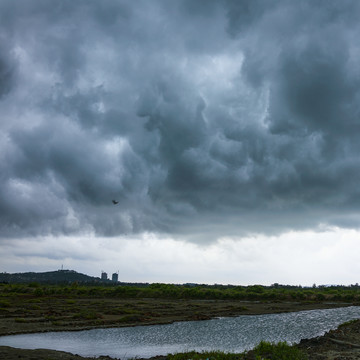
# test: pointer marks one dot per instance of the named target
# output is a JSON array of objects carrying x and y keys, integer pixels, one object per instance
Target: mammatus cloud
[{"x": 203, "y": 119}]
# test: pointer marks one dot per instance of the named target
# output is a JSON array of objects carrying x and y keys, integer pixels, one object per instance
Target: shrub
[
  {"x": 280, "y": 351},
  {"x": 38, "y": 292},
  {"x": 34, "y": 285},
  {"x": 320, "y": 297}
]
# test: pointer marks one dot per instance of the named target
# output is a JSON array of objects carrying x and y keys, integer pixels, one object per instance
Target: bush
[
  {"x": 38, "y": 292},
  {"x": 34, "y": 285}
]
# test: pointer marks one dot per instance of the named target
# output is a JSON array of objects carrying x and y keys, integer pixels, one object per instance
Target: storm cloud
[{"x": 202, "y": 118}]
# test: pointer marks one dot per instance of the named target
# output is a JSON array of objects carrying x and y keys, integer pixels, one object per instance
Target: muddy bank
[
  {"x": 9, "y": 353},
  {"x": 340, "y": 344}
]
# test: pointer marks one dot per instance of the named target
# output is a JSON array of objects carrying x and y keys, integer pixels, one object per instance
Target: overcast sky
[{"x": 227, "y": 130}]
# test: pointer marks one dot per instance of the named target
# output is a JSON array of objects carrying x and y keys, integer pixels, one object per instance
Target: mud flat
[{"x": 29, "y": 315}]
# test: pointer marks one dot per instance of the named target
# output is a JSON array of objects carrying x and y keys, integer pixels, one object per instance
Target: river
[{"x": 228, "y": 334}]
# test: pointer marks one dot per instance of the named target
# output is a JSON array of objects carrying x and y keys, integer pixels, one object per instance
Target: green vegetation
[
  {"x": 354, "y": 321},
  {"x": 20, "y": 320},
  {"x": 275, "y": 292},
  {"x": 70, "y": 283},
  {"x": 211, "y": 355},
  {"x": 44, "y": 307},
  {"x": 280, "y": 351},
  {"x": 4, "y": 303},
  {"x": 47, "y": 307},
  {"x": 263, "y": 351},
  {"x": 86, "y": 314}
]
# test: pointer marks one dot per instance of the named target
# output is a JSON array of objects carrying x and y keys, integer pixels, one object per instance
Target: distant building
[
  {"x": 104, "y": 275},
  {"x": 115, "y": 277}
]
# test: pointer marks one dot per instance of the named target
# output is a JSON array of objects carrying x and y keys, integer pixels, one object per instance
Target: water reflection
[{"x": 227, "y": 334}]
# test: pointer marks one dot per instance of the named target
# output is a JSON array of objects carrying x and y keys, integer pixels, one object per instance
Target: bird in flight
[{"x": 115, "y": 202}]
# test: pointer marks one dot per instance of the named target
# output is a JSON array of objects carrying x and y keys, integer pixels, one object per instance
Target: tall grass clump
[
  {"x": 263, "y": 351},
  {"x": 211, "y": 355},
  {"x": 280, "y": 351}
]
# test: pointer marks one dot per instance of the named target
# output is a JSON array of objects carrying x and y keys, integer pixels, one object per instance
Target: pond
[{"x": 227, "y": 334}]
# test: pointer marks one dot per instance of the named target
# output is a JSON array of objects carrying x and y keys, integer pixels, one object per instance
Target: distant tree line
[{"x": 274, "y": 292}]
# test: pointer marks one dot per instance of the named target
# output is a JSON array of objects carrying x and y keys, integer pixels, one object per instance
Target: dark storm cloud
[
  {"x": 7, "y": 70},
  {"x": 204, "y": 119}
]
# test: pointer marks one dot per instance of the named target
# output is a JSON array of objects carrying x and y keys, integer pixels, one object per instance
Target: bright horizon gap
[
  {"x": 190, "y": 283},
  {"x": 294, "y": 258}
]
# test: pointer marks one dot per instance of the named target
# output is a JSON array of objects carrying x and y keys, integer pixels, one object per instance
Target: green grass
[
  {"x": 263, "y": 351},
  {"x": 211, "y": 355},
  {"x": 20, "y": 320},
  {"x": 131, "y": 318},
  {"x": 348, "y": 322},
  {"x": 87, "y": 314},
  {"x": 4, "y": 303},
  {"x": 279, "y": 351}
]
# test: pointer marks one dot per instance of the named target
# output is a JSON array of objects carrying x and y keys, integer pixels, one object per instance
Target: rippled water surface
[{"x": 227, "y": 334}]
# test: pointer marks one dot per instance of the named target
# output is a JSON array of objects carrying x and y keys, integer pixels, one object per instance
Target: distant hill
[{"x": 50, "y": 277}]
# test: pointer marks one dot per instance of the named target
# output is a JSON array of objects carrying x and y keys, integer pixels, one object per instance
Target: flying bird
[{"x": 115, "y": 202}]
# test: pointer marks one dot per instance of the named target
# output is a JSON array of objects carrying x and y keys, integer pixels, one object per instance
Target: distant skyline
[{"x": 208, "y": 141}]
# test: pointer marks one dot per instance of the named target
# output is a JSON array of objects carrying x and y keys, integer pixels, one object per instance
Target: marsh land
[{"x": 26, "y": 308}]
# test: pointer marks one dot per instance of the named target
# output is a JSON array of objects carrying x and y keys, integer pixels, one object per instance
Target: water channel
[{"x": 227, "y": 334}]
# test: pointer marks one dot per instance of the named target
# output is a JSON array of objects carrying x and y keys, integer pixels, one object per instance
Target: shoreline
[{"x": 315, "y": 347}]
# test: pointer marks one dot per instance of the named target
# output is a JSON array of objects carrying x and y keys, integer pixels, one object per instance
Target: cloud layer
[{"x": 203, "y": 119}]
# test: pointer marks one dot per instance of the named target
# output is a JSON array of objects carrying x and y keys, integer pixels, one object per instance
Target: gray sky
[{"x": 211, "y": 122}]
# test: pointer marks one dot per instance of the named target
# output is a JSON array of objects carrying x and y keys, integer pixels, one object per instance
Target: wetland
[{"x": 34, "y": 308}]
